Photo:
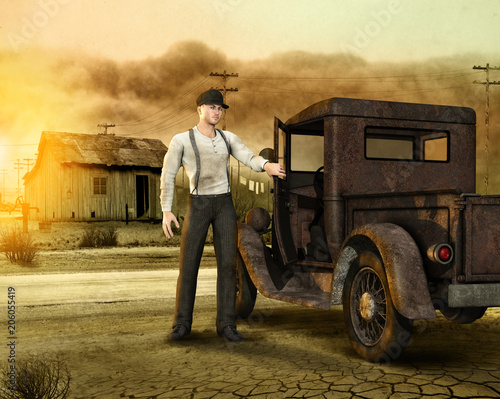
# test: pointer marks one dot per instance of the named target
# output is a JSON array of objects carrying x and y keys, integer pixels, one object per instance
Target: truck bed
[{"x": 481, "y": 237}]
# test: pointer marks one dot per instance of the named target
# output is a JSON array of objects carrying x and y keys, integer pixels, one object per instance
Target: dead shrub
[
  {"x": 98, "y": 238},
  {"x": 36, "y": 377},
  {"x": 17, "y": 246}
]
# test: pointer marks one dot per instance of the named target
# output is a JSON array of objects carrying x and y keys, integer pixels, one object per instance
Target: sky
[
  {"x": 252, "y": 29},
  {"x": 67, "y": 65}
]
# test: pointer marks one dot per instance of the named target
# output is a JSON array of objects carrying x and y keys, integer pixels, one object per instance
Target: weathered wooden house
[{"x": 86, "y": 177}]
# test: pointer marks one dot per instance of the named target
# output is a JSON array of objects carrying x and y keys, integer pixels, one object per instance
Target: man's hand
[
  {"x": 274, "y": 169},
  {"x": 168, "y": 218}
]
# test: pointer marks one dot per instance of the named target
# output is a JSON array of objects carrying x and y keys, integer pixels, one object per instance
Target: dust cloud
[{"x": 65, "y": 90}]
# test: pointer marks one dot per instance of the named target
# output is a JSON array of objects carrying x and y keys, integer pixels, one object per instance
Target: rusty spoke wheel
[
  {"x": 369, "y": 311},
  {"x": 376, "y": 330}
]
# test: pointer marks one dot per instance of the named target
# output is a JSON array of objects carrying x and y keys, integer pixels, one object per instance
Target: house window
[{"x": 100, "y": 184}]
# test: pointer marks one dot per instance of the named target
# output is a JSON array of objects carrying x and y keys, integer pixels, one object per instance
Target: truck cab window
[
  {"x": 436, "y": 149},
  {"x": 389, "y": 148},
  {"x": 406, "y": 144}
]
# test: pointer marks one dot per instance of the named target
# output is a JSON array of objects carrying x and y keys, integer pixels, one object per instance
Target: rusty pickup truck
[{"x": 378, "y": 213}]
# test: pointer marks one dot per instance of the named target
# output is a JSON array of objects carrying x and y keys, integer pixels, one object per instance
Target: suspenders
[{"x": 198, "y": 159}]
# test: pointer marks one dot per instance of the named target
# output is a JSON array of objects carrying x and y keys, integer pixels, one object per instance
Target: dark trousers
[{"x": 202, "y": 211}]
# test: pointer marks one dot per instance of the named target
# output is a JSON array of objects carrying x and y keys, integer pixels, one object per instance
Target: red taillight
[
  {"x": 444, "y": 254},
  {"x": 440, "y": 253}
]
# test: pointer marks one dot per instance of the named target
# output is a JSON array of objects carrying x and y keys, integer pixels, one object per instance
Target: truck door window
[
  {"x": 406, "y": 144},
  {"x": 306, "y": 152}
]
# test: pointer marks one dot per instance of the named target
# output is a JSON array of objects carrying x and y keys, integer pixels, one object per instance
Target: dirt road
[
  {"x": 114, "y": 344},
  {"x": 101, "y": 287}
]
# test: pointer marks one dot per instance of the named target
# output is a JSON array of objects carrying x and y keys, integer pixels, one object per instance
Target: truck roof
[{"x": 338, "y": 106}]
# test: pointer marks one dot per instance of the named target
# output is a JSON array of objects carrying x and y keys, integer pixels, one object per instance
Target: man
[{"x": 204, "y": 152}]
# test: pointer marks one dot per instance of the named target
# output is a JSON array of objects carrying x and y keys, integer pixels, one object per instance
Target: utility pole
[
  {"x": 28, "y": 163},
  {"x": 225, "y": 76},
  {"x": 19, "y": 166},
  {"x": 487, "y": 84},
  {"x": 105, "y": 126}
]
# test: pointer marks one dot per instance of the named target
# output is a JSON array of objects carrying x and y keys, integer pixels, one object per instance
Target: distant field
[
  {"x": 67, "y": 235},
  {"x": 141, "y": 246}
]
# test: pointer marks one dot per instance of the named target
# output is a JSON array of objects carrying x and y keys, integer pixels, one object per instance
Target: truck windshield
[{"x": 306, "y": 152}]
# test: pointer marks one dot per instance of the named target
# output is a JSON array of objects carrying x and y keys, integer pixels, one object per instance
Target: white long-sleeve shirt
[{"x": 213, "y": 157}]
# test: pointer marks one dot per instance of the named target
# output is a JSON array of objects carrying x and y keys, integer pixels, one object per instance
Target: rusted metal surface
[
  {"x": 429, "y": 218},
  {"x": 482, "y": 244},
  {"x": 275, "y": 281},
  {"x": 385, "y": 110},
  {"x": 404, "y": 268},
  {"x": 470, "y": 295},
  {"x": 259, "y": 219},
  {"x": 348, "y": 172}
]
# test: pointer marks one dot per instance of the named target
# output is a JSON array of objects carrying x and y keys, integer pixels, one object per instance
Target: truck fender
[
  {"x": 402, "y": 262},
  {"x": 255, "y": 258}
]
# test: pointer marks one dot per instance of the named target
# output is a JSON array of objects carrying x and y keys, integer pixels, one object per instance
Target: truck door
[{"x": 281, "y": 205}]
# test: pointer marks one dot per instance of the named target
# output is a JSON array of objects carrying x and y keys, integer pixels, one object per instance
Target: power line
[
  {"x": 178, "y": 115},
  {"x": 344, "y": 92},
  {"x": 16, "y": 145},
  {"x": 452, "y": 72},
  {"x": 138, "y": 121},
  {"x": 165, "y": 123}
]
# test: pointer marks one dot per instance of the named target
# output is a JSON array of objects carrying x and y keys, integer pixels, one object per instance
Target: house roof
[{"x": 103, "y": 149}]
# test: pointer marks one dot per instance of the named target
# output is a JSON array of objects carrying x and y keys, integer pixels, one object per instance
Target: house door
[{"x": 142, "y": 195}]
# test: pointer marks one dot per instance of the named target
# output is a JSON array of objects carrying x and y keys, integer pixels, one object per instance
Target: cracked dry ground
[{"x": 118, "y": 350}]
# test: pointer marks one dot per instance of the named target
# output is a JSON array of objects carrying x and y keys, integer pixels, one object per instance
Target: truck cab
[{"x": 378, "y": 213}]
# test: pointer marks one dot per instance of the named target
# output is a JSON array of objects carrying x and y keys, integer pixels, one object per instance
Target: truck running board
[{"x": 274, "y": 282}]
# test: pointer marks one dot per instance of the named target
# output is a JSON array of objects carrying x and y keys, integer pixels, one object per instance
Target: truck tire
[
  {"x": 456, "y": 315},
  {"x": 377, "y": 331},
  {"x": 246, "y": 293},
  {"x": 463, "y": 315}
]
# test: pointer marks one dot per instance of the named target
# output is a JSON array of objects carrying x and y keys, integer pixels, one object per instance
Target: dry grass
[
  {"x": 17, "y": 246},
  {"x": 68, "y": 235},
  {"x": 37, "y": 377}
]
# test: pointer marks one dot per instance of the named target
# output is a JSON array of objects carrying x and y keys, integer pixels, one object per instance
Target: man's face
[{"x": 210, "y": 113}]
